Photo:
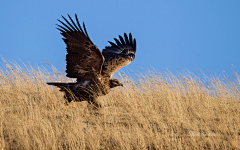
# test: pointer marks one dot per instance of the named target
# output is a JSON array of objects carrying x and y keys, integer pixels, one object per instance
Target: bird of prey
[{"x": 92, "y": 68}]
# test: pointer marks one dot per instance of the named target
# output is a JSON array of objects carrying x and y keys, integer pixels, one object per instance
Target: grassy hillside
[{"x": 156, "y": 111}]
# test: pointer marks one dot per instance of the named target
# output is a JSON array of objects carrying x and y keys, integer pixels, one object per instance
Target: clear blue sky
[{"x": 171, "y": 34}]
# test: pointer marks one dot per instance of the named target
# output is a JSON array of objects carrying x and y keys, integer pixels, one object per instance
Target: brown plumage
[{"x": 92, "y": 68}]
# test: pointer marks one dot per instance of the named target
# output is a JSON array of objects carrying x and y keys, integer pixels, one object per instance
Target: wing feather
[
  {"x": 130, "y": 39},
  {"x": 73, "y": 29},
  {"x": 122, "y": 40},
  {"x": 65, "y": 26},
  {"x": 78, "y": 23},
  {"x": 83, "y": 58},
  {"x": 118, "y": 55},
  {"x": 85, "y": 30},
  {"x": 126, "y": 39},
  {"x": 74, "y": 23},
  {"x": 116, "y": 40},
  {"x": 63, "y": 29},
  {"x": 113, "y": 44}
]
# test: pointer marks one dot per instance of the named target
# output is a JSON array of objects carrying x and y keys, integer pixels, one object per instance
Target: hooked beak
[{"x": 121, "y": 84}]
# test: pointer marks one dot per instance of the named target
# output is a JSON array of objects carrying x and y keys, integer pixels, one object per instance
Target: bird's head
[{"x": 114, "y": 82}]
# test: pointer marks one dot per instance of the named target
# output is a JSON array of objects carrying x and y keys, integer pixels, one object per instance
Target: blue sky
[{"x": 171, "y": 35}]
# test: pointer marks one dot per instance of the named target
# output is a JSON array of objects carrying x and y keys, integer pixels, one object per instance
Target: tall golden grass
[{"x": 153, "y": 111}]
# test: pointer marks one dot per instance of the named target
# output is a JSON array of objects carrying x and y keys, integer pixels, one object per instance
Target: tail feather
[
  {"x": 58, "y": 84},
  {"x": 66, "y": 88},
  {"x": 62, "y": 86}
]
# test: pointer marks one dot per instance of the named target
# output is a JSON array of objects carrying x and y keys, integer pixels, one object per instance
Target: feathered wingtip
[
  {"x": 72, "y": 27},
  {"x": 128, "y": 41}
]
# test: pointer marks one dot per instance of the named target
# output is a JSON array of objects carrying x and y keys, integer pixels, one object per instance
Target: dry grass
[{"x": 156, "y": 111}]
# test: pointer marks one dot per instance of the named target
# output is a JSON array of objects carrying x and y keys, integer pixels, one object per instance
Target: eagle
[{"x": 92, "y": 68}]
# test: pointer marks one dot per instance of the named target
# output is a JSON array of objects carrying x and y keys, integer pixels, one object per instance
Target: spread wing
[
  {"x": 118, "y": 55},
  {"x": 83, "y": 58}
]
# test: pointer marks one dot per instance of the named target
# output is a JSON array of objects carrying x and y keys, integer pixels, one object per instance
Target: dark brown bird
[{"x": 92, "y": 68}]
